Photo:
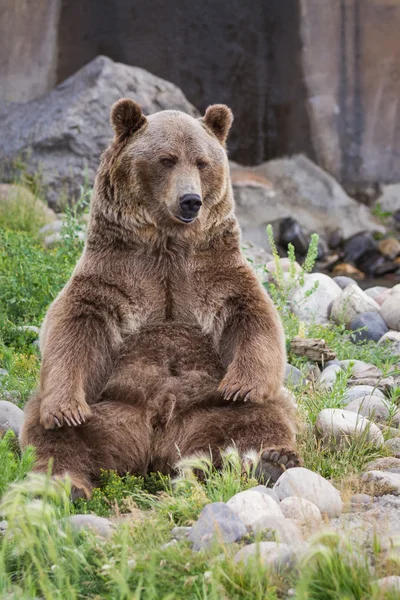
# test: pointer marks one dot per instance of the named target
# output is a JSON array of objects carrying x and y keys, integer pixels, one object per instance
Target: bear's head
[{"x": 169, "y": 170}]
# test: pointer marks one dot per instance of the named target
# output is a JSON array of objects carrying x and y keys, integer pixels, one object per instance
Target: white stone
[
  {"x": 278, "y": 529},
  {"x": 250, "y": 506},
  {"x": 303, "y": 483},
  {"x": 392, "y": 338},
  {"x": 385, "y": 479},
  {"x": 269, "y": 554},
  {"x": 99, "y": 525},
  {"x": 351, "y": 302},
  {"x": 11, "y": 417},
  {"x": 374, "y": 407},
  {"x": 301, "y": 510},
  {"x": 336, "y": 426},
  {"x": 328, "y": 376},
  {"x": 390, "y": 311},
  {"x": 314, "y": 308},
  {"x": 390, "y": 584},
  {"x": 361, "y": 391}
]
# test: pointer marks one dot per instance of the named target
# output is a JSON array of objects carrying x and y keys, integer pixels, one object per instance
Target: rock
[
  {"x": 392, "y": 338},
  {"x": 335, "y": 426},
  {"x": 361, "y": 391},
  {"x": 61, "y": 134},
  {"x": 350, "y": 303},
  {"x": 389, "y": 584},
  {"x": 301, "y": 510},
  {"x": 303, "y": 192},
  {"x": 335, "y": 238},
  {"x": 25, "y": 202},
  {"x": 359, "y": 502},
  {"x": 277, "y": 529},
  {"x": 290, "y": 232},
  {"x": 380, "y": 298},
  {"x": 344, "y": 281},
  {"x": 365, "y": 374},
  {"x": 345, "y": 269},
  {"x": 372, "y": 326},
  {"x": 375, "y": 291},
  {"x": 394, "y": 446},
  {"x": 11, "y": 417},
  {"x": 302, "y": 483},
  {"x": 3, "y": 527},
  {"x": 314, "y": 308},
  {"x": 375, "y": 408},
  {"x": 250, "y": 506},
  {"x": 357, "y": 245},
  {"x": 389, "y": 201},
  {"x": 262, "y": 489},
  {"x": 374, "y": 264},
  {"x": 258, "y": 258},
  {"x": 54, "y": 227},
  {"x": 269, "y": 554},
  {"x": 387, "y": 482},
  {"x": 180, "y": 533},
  {"x": 328, "y": 376},
  {"x": 294, "y": 377},
  {"x": 100, "y": 526},
  {"x": 390, "y": 311},
  {"x": 389, "y": 247},
  {"x": 217, "y": 522},
  {"x": 3, "y": 372},
  {"x": 383, "y": 464},
  {"x": 55, "y": 239}
]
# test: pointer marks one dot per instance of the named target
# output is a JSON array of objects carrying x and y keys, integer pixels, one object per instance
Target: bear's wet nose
[{"x": 190, "y": 205}]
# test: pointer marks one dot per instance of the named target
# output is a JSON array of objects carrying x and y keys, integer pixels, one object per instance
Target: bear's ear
[
  {"x": 126, "y": 117},
  {"x": 218, "y": 118}
]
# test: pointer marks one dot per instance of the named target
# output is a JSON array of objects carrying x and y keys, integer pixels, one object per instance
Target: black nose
[{"x": 190, "y": 205}]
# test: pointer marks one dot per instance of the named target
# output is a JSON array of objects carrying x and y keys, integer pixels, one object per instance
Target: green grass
[{"x": 42, "y": 557}]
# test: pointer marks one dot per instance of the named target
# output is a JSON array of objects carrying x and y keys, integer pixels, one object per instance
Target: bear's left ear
[
  {"x": 126, "y": 117},
  {"x": 218, "y": 118}
]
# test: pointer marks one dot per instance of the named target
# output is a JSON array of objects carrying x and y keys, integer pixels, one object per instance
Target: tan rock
[{"x": 389, "y": 247}]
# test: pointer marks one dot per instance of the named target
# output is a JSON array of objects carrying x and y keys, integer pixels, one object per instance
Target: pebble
[
  {"x": 314, "y": 308},
  {"x": 392, "y": 338},
  {"x": 361, "y": 391},
  {"x": 335, "y": 426},
  {"x": 303, "y": 483},
  {"x": 180, "y": 533},
  {"x": 351, "y": 302},
  {"x": 301, "y": 510},
  {"x": 385, "y": 480},
  {"x": 328, "y": 376},
  {"x": 390, "y": 311},
  {"x": 372, "y": 327},
  {"x": 100, "y": 526},
  {"x": 250, "y": 506},
  {"x": 217, "y": 522},
  {"x": 374, "y": 407},
  {"x": 11, "y": 417},
  {"x": 390, "y": 584},
  {"x": 269, "y": 554},
  {"x": 278, "y": 529}
]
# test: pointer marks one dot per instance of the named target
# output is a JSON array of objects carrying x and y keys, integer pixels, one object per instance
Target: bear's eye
[
  {"x": 201, "y": 164},
  {"x": 169, "y": 161}
]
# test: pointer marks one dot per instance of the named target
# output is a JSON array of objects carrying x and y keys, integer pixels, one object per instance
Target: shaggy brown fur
[{"x": 163, "y": 324}]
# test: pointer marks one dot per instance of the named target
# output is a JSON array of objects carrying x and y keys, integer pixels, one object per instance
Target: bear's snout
[{"x": 190, "y": 205}]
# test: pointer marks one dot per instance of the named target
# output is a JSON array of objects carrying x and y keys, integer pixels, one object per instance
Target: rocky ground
[{"x": 328, "y": 530}]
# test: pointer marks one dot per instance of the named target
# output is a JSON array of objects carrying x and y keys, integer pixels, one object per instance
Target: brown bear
[{"x": 163, "y": 343}]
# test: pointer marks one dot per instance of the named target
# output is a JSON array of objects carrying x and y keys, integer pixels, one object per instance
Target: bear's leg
[
  {"x": 116, "y": 437},
  {"x": 267, "y": 429}
]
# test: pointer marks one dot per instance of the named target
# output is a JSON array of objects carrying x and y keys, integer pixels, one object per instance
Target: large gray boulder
[
  {"x": 62, "y": 134},
  {"x": 295, "y": 187}
]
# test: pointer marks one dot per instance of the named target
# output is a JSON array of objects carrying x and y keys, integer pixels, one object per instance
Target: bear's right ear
[{"x": 126, "y": 117}]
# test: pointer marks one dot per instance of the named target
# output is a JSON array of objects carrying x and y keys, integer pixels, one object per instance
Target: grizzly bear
[{"x": 163, "y": 343}]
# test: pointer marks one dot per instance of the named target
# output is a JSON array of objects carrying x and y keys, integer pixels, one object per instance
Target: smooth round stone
[
  {"x": 390, "y": 482},
  {"x": 384, "y": 464},
  {"x": 301, "y": 510},
  {"x": 293, "y": 376},
  {"x": 98, "y": 525},
  {"x": 314, "y": 308},
  {"x": 361, "y": 391},
  {"x": 11, "y": 417},
  {"x": 180, "y": 533},
  {"x": 350, "y": 303},
  {"x": 389, "y": 584},
  {"x": 375, "y": 291},
  {"x": 373, "y": 407},
  {"x": 344, "y": 281},
  {"x": 250, "y": 506},
  {"x": 335, "y": 426},
  {"x": 303, "y": 483},
  {"x": 372, "y": 327},
  {"x": 278, "y": 529},
  {"x": 390, "y": 311},
  {"x": 216, "y": 523},
  {"x": 269, "y": 554},
  {"x": 394, "y": 446},
  {"x": 328, "y": 376},
  {"x": 262, "y": 489},
  {"x": 392, "y": 338}
]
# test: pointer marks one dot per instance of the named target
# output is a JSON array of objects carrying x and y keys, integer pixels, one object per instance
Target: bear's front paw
[
  {"x": 235, "y": 387},
  {"x": 57, "y": 413}
]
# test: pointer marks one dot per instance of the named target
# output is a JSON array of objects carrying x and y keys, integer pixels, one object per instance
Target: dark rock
[
  {"x": 374, "y": 327},
  {"x": 293, "y": 376},
  {"x": 373, "y": 264},
  {"x": 290, "y": 232},
  {"x": 62, "y": 134},
  {"x": 217, "y": 522},
  {"x": 357, "y": 245},
  {"x": 335, "y": 239}
]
